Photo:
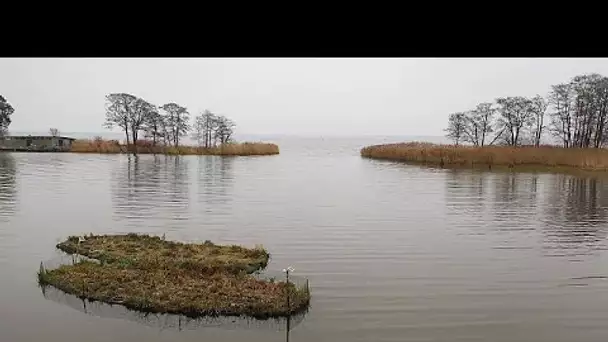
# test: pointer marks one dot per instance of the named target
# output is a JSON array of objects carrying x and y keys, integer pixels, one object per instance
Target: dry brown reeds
[
  {"x": 152, "y": 251},
  {"x": 590, "y": 159},
  {"x": 99, "y": 145},
  {"x": 175, "y": 291},
  {"x": 149, "y": 274}
]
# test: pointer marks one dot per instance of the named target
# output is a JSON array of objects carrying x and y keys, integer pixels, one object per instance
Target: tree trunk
[
  {"x": 208, "y": 135},
  {"x": 539, "y": 129},
  {"x": 135, "y": 138},
  {"x": 127, "y": 135}
]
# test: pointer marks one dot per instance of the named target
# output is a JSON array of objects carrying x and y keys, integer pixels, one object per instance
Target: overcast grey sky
[{"x": 279, "y": 96}]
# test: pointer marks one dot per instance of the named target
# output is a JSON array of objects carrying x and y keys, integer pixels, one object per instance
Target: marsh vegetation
[
  {"x": 514, "y": 131},
  {"x": 491, "y": 156},
  {"x": 100, "y": 145},
  {"x": 150, "y": 274}
]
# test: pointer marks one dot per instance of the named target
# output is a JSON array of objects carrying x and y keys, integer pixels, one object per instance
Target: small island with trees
[
  {"x": 509, "y": 132},
  {"x": 148, "y": 129},
  {"x": 150, "y": 274}
]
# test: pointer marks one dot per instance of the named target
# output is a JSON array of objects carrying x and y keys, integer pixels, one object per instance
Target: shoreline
[{"x": 108, "y": 147}]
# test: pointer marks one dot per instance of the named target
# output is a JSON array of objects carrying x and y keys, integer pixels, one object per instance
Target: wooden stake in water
[
  {"x": 288, "y": 328},
  {"x": 287, "y": 270}
]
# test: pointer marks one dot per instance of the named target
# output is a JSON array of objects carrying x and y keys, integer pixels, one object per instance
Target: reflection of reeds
[
  {"x": 8, "y": 182},
  {"x": 145, "y": 147},
  {"x": 150, "y": 274},
  {"x": 499, "y": 156}
]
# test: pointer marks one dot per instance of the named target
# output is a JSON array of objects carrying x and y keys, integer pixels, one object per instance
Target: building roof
[{"x": 36, "y": 137}]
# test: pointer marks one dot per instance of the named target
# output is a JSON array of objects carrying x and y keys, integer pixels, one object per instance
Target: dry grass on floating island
[
  {"x": 147, "y": 252},
  {"x": 149, "y": 274},
  {"x": 525, "y": 158}
]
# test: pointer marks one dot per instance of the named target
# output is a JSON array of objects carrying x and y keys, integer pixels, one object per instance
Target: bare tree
[
  {"x": 6, "y": 110},
  {"x": 128, "y": 112},
  {"x": 578, "y": 116},
  {"x": 118, "y": 112},
  {"x": 456, "y": 127},
  {"x": 539, "y": 107},
  {"x": 177, "y": 118},
  {"x": 198, "y": 133},
  {"x": 580, "y": 111},
  {"x": 209, "y": 129},
  {"x": 583, "y": 109},
  {"x": 589, "y": 109},
  {"x": 560, "y": 98},
  {"x": 154, "y": 125},
  {"x": 207, "y": 123},
  {"x": 601, "y": 125},
  {"x": 484, "y": 116},
  {"x": 478, "y": 124},
  {"x": 515, "y": 114},
  {"x": 54, "y": 132},
  {"x": 140, "y": 113},
  {"x": 165, "y": 132},
  {"x": 224, "y": 129},
  {"x": 470, "y": 131}
]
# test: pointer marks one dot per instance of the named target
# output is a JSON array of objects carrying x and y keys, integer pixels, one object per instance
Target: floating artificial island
[{"x": 149, "y": 274}]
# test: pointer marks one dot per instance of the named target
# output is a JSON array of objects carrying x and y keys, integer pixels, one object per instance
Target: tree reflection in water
[
  {"x": 569, "y": 213},
  {"x": 576, "y": 215},
  {"x": 149, "y": 186},
  {"x": 215, "y": 180},
  {"x": 8, "y": 186}
]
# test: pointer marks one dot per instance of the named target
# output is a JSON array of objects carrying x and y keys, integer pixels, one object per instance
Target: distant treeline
[
  {"x": 6, "y": 110},
  {"x": 577, "y": 113},
  {"x": 164, "y": 125}
]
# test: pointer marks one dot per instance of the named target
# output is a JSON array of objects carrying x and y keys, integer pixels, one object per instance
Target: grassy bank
[
  {"x": 589, "y": 159},
  {"x": 144, "y": 147},
  {"x": 150, "y": 274}
]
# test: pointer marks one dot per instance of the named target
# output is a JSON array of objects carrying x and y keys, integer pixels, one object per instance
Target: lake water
[{"x": 393, "y": 252}]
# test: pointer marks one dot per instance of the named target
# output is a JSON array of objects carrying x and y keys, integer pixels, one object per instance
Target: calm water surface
[{"x": 393, "y": 252}]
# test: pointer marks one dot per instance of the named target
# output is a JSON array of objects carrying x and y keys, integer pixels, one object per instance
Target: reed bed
[
  {"x": 589, "y": 159},
  {"x": 145, "y": 147},
  {"x": 149, "y": 274}
]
